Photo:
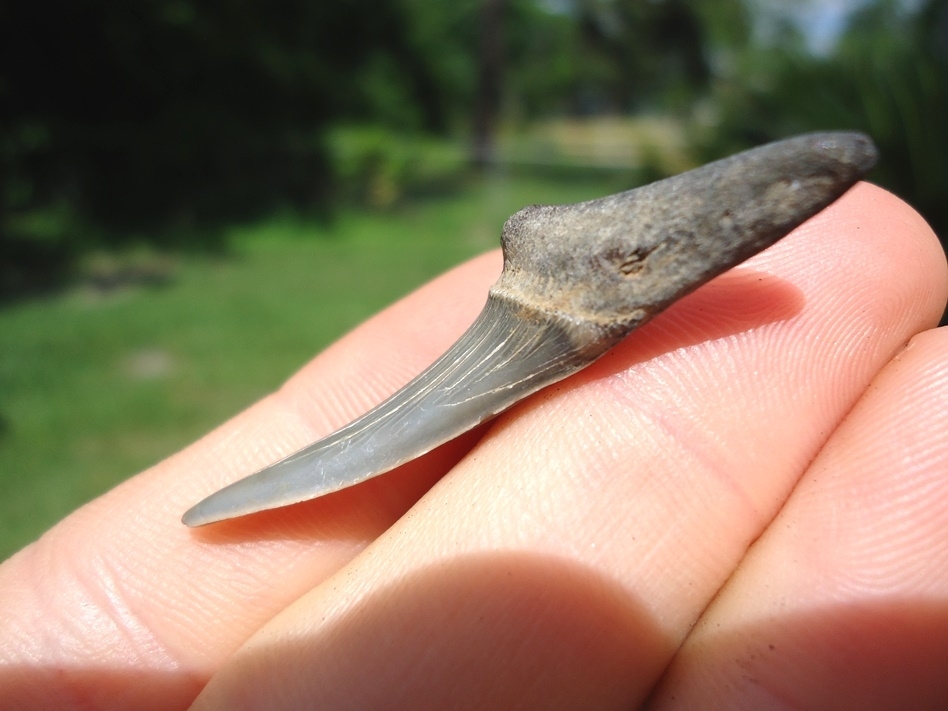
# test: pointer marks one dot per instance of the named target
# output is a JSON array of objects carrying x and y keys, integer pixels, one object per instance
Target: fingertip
[{"x": 903, "y": 228}]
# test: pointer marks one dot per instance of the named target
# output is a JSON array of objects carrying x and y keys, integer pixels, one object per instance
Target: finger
[
  {"x": 566, "y": 557},
  {"x": 122, "y": 599},
  {"x": 843, "y": 604}
]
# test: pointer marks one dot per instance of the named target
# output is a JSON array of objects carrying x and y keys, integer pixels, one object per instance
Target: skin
[{"x": 741, "y": 506}]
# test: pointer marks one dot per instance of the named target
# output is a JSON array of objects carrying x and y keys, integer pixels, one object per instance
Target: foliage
[
  {"x": 375, "y": 166},
  {"x": 130, "y": 117},
  {"x": 613, "y": 56}
]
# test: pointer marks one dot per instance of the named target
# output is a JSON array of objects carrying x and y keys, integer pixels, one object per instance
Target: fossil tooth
[{"x": 576, "y": 280}]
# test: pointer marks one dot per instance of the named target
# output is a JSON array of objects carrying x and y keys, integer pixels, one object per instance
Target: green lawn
[{"x": 96, "y": 385}]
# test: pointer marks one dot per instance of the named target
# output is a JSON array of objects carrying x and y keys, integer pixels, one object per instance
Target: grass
[{"x": 97, "y": 384}]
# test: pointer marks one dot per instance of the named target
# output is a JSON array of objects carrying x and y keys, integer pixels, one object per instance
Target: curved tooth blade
[
  {"x": 500, "y": 359},
  {"x": 576, "y": 280}
]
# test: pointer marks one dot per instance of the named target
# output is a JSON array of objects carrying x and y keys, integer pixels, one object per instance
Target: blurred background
[{"x": 195, "y": 198}]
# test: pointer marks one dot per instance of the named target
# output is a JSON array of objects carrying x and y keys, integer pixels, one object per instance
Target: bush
[{"x": 376, "y": 167}]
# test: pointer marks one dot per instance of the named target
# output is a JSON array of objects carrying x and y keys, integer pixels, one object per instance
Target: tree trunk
[{"x": 490, "y": 79}]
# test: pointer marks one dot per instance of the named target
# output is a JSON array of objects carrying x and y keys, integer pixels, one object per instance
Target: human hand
[{"x": 743, "y": 505}]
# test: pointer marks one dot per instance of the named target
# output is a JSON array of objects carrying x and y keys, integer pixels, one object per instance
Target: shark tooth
[{"x": 577, "y": 279}]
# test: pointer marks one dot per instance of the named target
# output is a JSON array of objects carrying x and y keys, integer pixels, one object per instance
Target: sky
[{"x": 821, "y": 21}]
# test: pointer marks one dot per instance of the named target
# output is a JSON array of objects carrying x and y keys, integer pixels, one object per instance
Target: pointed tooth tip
[
  {"x": 192, "y": 518},
  {"x": 209, "y": 510},
  {"x": 213, "y": 509}
]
